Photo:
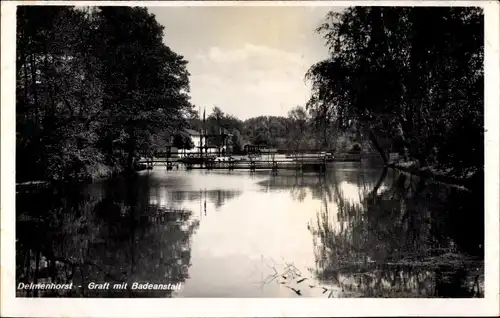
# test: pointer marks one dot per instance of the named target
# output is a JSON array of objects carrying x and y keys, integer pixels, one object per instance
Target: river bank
[
  {"x": 89, "y": 173},
  {"x": 102, "y": 171},
  {"x": 445, "y": 176}
]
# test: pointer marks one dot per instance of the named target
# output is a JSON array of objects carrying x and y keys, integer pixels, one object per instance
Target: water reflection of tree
[
  {"x": 218, "y": 197},
  {"x": 299, "y": 184},
  {"x": 117, "y": 238},
  {"x": 401, "y": 240},
  {"x": 319, "y": 185}
]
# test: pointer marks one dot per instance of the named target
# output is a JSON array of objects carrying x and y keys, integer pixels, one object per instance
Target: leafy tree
[
  {"x": 183, "y": 141},
  {"x": 431, "y": 63},
  {"x": 58, "y": 99},
  {"x": 94, "y": 86},
  {"x": 300, "y": 121},
  {"x": 144, "y": 91},
  {"x": 218, "y": 116},
  {"x": 237, "y": 141}
]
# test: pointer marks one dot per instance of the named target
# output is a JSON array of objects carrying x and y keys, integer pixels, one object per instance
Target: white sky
[{"x": 249, "y": 61}]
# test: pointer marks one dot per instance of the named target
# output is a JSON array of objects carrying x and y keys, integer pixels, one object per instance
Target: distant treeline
[{"x": 296, "y": 132}]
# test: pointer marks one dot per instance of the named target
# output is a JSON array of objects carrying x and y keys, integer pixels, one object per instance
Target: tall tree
[
  {"x": 146, "y": 82},
  {"x": 300, "y": 121},
  {"x": 406, "y": 76},
  {"x": 94, "y": 86},
  {"x": 58, "y": 97}
]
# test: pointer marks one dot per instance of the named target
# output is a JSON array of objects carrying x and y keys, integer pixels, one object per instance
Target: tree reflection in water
[
  {"x": 217, "y": 196},
  {"x": 404, "y": 238},
  {"x": 376, "y": 235},
  {"x": 114, "y": 235}
]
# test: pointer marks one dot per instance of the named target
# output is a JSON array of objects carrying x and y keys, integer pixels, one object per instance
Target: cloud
[
  {"x": 249, "y": 52},
  {"x": 249, "y": 80},
  {"x": 247, "y": 60}
]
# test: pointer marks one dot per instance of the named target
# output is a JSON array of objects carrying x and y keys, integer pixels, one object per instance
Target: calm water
[{"x": 357, "y": 231}]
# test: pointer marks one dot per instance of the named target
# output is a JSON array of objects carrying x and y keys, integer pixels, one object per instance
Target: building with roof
[
  {"x": 200, "y": 143},
  {"x": 204, "y": 143}
]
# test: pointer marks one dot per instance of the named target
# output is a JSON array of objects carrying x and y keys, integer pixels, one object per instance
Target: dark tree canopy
[
  {"x": 412, "y": 77},
  {"x": 95, "y": 86}
]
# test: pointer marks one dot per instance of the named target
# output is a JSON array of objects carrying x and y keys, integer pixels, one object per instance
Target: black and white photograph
[{"x": 264, "y": 151}]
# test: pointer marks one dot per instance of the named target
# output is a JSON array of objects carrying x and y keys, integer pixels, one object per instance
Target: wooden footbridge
[
  {"x": 252, "y": 165},
  {"x": 169, "y": 163},
  {"x": 308, "y": 163}
]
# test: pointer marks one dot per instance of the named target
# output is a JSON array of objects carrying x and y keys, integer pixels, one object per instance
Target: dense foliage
[
  {"x": 411, "y": 76},
  {"x": 94, "y": 88}
]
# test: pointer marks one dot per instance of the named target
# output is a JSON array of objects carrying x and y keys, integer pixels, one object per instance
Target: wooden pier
[
  {"x": 309, "y": 163},
  {"x": 149, "y": 163},
  {"x": 252, "y": 165}
]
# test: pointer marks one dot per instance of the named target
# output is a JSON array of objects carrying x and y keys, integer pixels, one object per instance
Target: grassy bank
[
  {"x": 100, "y": 171},
  {"x": 91, "y": 172},
  {"x": 466, "y": 179}
]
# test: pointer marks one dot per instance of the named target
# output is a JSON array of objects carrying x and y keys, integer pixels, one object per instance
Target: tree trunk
[
  {"x": 379, "y": 183},
  {"x": 377, "y": 146},
  {"x": 324, "y": 128},
  {"x": 130, "y": 160},
  {"x": 374, "y": 141},
  {"x": 34, "y": 88},
  {"x": 131, "y": 151}
]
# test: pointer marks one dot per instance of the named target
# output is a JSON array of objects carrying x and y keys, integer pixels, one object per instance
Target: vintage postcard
[{"x": 250, "y": 158}]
